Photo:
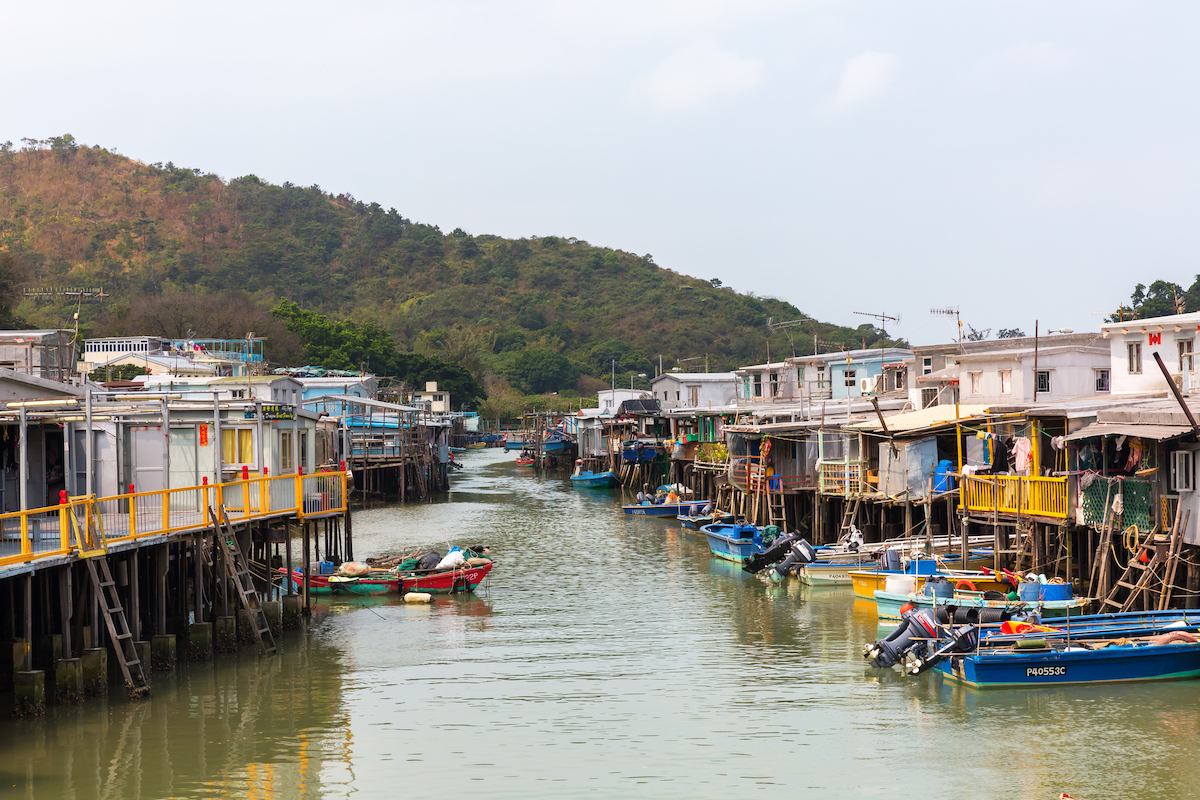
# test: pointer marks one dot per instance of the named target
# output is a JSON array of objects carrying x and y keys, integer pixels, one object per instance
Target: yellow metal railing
[
  {"x": 1014, "y": 494},
  {"x": 95, "y": 521}
]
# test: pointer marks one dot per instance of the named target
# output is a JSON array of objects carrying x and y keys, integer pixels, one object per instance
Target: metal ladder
[
  {"x": 239, "y": 571},
  {"x": 118, "y": 626}
]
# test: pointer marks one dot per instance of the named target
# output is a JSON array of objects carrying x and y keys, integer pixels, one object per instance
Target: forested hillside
[{"x": 182, "y": 249}]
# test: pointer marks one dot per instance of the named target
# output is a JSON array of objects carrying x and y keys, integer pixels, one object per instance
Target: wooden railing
[
  {"x": 47, "y": 532},
  {"x": 839, "y": 477},
  {"x": 1015, "y": 494}
]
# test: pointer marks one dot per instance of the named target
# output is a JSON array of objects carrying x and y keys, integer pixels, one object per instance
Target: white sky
[{"x": 1023, "y": 160}]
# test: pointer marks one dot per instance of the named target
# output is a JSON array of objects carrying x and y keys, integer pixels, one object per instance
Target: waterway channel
[{"x": 607, "y": 657}]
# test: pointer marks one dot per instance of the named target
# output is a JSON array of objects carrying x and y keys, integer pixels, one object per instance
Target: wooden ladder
[
  {"x": 1138, "y": 577},
  {"x": 849, "y": 515},
  {"x": 239, "y": 571},
  {"x": 777, "y": 510},
  {"x": 118, "y": 626}
]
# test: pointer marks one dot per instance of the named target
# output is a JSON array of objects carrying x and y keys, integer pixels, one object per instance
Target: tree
[
  {"x": 539, "y": 371},
  {"x": 1010, "y": 333},
  {"x": 12, "y": 275},
  {"x": 974, "y": 335},
  {"x": 1162, "y": 299}
]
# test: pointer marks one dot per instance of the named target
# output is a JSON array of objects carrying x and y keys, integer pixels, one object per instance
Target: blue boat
[
  {"x": 1060, "y": 663},
  {"x": 598, "y": 480},
  {"x": 634, "y": 451},
  {"x": 733, "y": 542},
  {"x": 888, "y": 605},
  {"x": 660, "y": 510},
  {"x": 696, "y": 521}
]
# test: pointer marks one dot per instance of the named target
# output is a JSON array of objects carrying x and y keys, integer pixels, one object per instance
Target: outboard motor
[
  {"x": 891, "y": 560},
  {"x": 777, "y": 551},
  {"x": 914, "y": 628},
  {"x": 799, "y": 554}
]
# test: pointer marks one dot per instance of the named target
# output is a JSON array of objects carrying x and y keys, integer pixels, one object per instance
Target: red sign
[
  {"x": 1155, "y": 338},
  {"x": 204, "y": 436}
]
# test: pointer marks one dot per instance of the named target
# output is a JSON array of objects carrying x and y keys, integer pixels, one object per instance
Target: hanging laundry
[{"x": 1022, "y": 454}]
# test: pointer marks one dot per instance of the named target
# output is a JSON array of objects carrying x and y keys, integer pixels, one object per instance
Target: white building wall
[
  {"x": 1161, "y": 335},
  {"x": 1072, "y": 374}
]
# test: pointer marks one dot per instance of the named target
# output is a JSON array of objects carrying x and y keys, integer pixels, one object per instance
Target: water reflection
[{"x": 604, "y": 656}]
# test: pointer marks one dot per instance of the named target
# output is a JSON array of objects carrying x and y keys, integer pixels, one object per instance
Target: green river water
[{"x": 605, "y": 657}]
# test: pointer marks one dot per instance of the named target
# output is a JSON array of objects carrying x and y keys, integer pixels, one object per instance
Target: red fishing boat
[{"x": 462, "y": 579}]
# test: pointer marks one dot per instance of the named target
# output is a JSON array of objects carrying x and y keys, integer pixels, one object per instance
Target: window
[
  {"x": 238, "y": 394},
  {"x": 1006, "y": 381},
  {"x": 304, "y": 451},
  {"x": 926, "y": 366},
  {"x": 1135, "y": 358},
  {"x": 286, "y": 464},
  {"x": 758, "y": 385},
  {"x": 1186, "y": 357},
  {"x": 746, "y": 387},
  {"x": 821, "y": 377},
  {"x": 929, "y": 398},
  {"x": 1043, "y": 381},
  {"x": 693, "y": 396},
  {"x": 237, "y": 445},
  {"x": 799, "y": 377},
  {"x": 901, "y": 379},
  {"x": 1102, "y": 380},
  {"x": 1183, "y": 471},
  {"x": 976, "y": 382},
  {"x": 851, "y": 377},
  {"x": 677, "y": 395}
]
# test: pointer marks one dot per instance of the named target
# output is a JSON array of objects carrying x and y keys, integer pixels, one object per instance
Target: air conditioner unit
[{"x": 1177, "y": 379}]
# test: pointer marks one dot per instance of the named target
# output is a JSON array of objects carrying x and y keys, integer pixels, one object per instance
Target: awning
[{"x": 1156, "y": 432}]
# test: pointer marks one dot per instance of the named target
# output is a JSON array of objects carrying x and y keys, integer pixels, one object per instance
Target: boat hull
[
  {"x": 664, "y": 510},
  {"x": 888, "y": 604},
  {"x": 696, "y": 523},
  {"x": 594, "y": 480},
  {"x": 826, "y": 574},
  {"x": 1121, "y": 663},
  {"x": 455, "y": 581},
  {"x": 867, "y": 582}
]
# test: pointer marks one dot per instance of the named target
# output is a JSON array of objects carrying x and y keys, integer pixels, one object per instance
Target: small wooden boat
[
  {"x": 453, "y": 581},
  {"x": 525, "y": 460},
  {"x": 888, "y": 604},
  {"x": 733, "y": 542},
  {"x": 477, "y": 445},
  {"x": 868, "y": 581},
  {"x": 660, "y": 510},
  {"x": 597, "y": 480}
]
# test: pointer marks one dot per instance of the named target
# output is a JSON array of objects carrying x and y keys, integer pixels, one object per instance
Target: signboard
[{"x": 272, "y": 413}]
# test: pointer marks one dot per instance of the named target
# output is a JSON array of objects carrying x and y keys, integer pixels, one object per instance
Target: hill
[{"x": 179, "y": 248}]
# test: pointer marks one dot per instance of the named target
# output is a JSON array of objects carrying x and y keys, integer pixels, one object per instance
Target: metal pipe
[
  {"x": 88, "y": 445},
  {"x": 23, "y": 455}
]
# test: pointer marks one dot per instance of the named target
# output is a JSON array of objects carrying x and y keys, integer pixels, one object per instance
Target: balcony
[
  {"x": 1017, "y": 495},
  {"x": 843, "y": 477}
]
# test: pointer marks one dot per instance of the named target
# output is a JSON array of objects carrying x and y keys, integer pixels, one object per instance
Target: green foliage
[
  {"x": 347, "y": 345},
  {"x": 149, "y": 230},
  {"x": 539, "y": 371},
  {"x": 123, "y": 372},
  {"x": 1162, "y": 299}
]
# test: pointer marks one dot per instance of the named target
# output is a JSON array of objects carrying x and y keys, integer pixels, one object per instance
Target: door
[
  {"x": 146, "y": 456},
  {"x": 184, "y": 469}
]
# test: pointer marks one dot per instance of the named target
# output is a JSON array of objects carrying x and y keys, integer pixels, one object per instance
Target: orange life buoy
[{"x": 966, "y": 584}]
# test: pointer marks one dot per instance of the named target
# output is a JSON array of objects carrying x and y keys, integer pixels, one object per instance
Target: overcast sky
[{"x": 1022, "y": 160}]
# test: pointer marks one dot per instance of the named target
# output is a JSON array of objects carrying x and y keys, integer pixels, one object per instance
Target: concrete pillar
[
  {"x": 144, "y": 657},
  {"x": 47, "y": 652},
  {"x": 95, "y": 670},
  {"x": 29, "y": 693},
  {"x": 68, "y": 680},
  {"x": 10, "y": 667},
  {"x": 273, "y": 610},
  {"x": 200, "y": 641},
  {"x": 225, "y": 635},
  {"x": 291, "y": 611},
  {"x": 162, "y": 652},
  {"x": 245, "y": 635}
]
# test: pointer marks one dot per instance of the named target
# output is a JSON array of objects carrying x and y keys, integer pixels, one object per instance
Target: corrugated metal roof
[
  {"x": 1156, "y": 432},
  {"x": 926, "y": 418}
]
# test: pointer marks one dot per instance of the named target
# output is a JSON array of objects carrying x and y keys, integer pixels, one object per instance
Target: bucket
[
  {"x": 900, "y": 584},
  {"x": 1057, "y": 591},
  {"x": 939, "y": 587},
  {"x": 1029, "y": 591}
]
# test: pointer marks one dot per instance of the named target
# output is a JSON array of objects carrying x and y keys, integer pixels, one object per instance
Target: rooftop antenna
[
  {"x": 786, "y": 327},
  {"x": 884, "y": 319},
  {"x": 79, "y": 294},
  {"x": 950, "y": 311}
]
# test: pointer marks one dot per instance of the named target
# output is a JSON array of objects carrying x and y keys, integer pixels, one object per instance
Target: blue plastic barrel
[{"x": 943, "y": 481}]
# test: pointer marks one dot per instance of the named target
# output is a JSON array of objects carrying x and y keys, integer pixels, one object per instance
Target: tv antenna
[
  {"x": 884, "y": 319},
  {"x": 78, "y": 293},
  {"x": 950, "y": 311},
  {"x": 786, "y": 326}
]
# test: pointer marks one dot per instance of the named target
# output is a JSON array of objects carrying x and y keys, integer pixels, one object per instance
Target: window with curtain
[
  {"x": 286, "y": 464},
  {"x": 237, "y": 445}
]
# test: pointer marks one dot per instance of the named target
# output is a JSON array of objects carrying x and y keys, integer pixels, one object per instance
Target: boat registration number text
[{"x": 1044, "y": 672}]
